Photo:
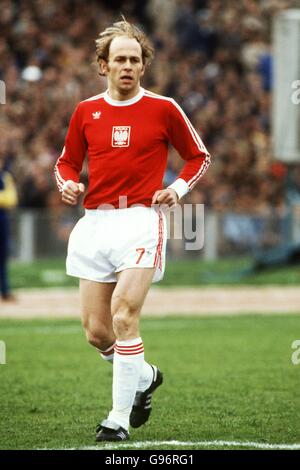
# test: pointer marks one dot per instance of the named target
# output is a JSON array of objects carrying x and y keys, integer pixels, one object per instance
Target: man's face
[{"x": 125, "y": 67}]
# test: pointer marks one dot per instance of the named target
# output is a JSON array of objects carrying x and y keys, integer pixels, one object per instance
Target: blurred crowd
[{"x": 212, "y": 56}]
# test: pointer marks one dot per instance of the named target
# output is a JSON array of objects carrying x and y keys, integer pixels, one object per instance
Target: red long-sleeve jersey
[{"x": 127, "y": 147}]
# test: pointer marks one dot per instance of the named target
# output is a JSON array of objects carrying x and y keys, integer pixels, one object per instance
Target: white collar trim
[{"x": 133, "y": 100}]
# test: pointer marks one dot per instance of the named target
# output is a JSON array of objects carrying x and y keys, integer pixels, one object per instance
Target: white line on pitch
[{"x": 146, "y": 444}]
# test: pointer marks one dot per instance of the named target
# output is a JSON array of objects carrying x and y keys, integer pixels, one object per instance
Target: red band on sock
[
  {"x": 126, "y": 348},
  {"x": 129, "y": 350}
]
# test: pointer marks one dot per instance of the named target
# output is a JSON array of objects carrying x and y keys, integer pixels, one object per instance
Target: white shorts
[{"x": 105, "y": 242}]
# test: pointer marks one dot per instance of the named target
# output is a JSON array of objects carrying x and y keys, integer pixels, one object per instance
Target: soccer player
[{"x": 118, "y": 248}]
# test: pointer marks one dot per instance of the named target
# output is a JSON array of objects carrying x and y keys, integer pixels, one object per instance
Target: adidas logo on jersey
[
  {"x": 96, "y": 115},
  {"x": 120, "y": 136}
]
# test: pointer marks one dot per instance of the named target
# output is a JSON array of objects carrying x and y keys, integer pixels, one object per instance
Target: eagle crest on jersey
[{"x": 120, "y": 136}]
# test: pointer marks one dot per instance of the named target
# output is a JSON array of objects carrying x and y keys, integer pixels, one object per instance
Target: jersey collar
[{"x": 133, "y": 100}]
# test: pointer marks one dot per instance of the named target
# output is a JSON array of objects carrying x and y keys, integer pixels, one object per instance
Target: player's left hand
[{"x": 165, "y": 196}]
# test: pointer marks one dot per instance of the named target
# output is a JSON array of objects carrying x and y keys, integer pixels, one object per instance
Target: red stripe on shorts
[{"x": 158, "y": 257}]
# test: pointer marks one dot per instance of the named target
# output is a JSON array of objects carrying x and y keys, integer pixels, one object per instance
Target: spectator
[{"x": 8, "y": 200}]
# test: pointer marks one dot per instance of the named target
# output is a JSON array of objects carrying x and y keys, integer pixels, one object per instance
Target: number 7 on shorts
[{"x": 141, "y": 251}]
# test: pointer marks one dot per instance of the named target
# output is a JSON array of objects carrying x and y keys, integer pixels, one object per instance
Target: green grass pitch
[
  {"x": 194, "y": 272},
  {"x": 226, "y": 378}
]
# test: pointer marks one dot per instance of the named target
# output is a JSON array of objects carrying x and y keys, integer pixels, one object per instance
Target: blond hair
[{"x": 123, "y": 28}]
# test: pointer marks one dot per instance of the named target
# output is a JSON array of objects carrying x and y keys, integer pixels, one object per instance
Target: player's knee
[
  {"x": 98, "y": 337},
  {"x": 120, "y": 305},
  {"x": 121, "y": 323},
  {"x": 99, "y": 342},
  {"x": 124, "y": 316},
  {"x": 124, "y": 325}
]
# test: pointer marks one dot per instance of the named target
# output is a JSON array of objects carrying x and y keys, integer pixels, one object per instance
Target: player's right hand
[{"x": 71, "y": 192}]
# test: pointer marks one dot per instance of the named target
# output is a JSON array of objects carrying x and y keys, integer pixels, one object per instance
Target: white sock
[
  {"x": 146, "y": 376},
  {"x": 127, "y": 367}
]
